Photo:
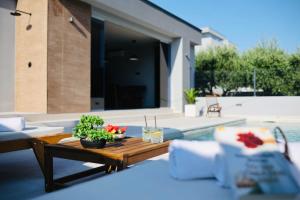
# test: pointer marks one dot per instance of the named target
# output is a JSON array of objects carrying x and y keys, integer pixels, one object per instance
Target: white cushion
[
  {"x": 192, "y": 159},
  {"x": 12, "y": 124},
  {"x": 149, "y": 180},
  {"x": 30, "y": 132}
]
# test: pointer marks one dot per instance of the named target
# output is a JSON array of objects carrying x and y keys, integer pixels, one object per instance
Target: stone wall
[
  {"x": 53, "y": 56},
  {"x": 31, "y": 57},
  {"x": 69, "y": 56}
]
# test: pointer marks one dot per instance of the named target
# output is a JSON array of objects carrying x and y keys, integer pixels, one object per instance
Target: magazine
[{"x": 255, "y": 164}]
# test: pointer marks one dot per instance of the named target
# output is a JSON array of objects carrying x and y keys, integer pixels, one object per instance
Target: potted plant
[
  {"x": 118, "y": 132},
  {"x": 91, "y": 133},
  {"x": 190, "y": 109}
]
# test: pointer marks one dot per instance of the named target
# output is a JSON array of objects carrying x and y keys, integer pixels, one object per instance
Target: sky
[{"x": 243, "y": 22}]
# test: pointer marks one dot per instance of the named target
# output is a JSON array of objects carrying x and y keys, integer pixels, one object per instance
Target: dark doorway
[
  {"x": 164, "y": 74},
  {"x": 129, "y": 70},
  {"x": 97, "y": 65}
]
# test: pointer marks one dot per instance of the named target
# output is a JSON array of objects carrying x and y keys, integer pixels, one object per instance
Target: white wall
[
  {"x": 257, "y": 106},
  {"x": 209, "y": 40},
  {"x": 7, "y": 55}
]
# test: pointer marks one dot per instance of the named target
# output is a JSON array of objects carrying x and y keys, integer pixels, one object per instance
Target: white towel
[
  {"x": 221, "y": 171},
  {"x": 192, "y": 159},
  {"x": 12, "y": 124},
  {"x": 294, "y": 148}
]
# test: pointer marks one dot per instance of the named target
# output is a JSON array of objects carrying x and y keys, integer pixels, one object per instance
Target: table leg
[
  {"x": 49, "y": 183},
  {"x": 38, "y": 149},
  {"x": 108, "y": 169},
  {"x": 114, "y": 168},
  {"x": 111, "y": 168},
  {"x": 120, "y": 166}
]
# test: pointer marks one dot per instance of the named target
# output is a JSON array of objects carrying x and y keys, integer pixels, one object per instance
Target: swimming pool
[{"x": 291, "y": 130}]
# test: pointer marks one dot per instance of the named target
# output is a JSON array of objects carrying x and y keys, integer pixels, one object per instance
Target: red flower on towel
[{"x": 250, "y": 140}]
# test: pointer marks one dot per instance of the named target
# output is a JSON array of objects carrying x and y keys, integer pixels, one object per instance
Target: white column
[{"x": 180, "y": 73}]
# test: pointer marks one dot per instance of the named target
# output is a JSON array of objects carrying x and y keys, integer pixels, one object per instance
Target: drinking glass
[
  {"x": 157, "y": 135},
  {"x": 146, "y": 134}
]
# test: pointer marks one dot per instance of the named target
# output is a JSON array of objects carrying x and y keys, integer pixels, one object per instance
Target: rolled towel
[
  {"x": 220, "y": 171},
  {"x": 192, "y": 159},
  {"x": 294, "y": 148},
  {"x": 12, "y": 124}
]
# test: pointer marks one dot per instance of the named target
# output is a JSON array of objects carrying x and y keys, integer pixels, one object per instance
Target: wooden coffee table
[{"x": 115, "y": 156}]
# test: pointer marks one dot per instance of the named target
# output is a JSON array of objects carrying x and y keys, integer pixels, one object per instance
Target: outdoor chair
[{"x": 213, "y": 105}]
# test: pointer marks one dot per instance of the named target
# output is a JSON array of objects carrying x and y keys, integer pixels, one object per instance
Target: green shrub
[
  {"x": 96, "y": 135},
  {"x": 277, "y": 72},
  {"x": 90, "y": 127}
]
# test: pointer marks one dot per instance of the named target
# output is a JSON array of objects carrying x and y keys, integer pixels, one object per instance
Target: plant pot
[
  {"x": 92, "y": 144},
  {"x": 190, "y": 110}
]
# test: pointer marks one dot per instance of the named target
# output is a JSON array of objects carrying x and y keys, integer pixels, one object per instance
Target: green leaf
[
  {"x": 86, "y": 124},
  {"x": 190, "y": 95}
]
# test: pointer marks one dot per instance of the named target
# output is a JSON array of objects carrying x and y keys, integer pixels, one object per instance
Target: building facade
[
  {"x": 61, "y": 56},
  {"x": 211, "y": 38}
]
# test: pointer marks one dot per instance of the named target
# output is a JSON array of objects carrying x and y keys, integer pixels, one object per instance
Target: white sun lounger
[
  {"x": 150, "y": 180},
  {"x": 32, "y": 137},
  {"x": 147, "y": 181},
  {"x": 14, "y": 141}
]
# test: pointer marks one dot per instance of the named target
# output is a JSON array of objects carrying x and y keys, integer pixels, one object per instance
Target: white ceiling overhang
[{"x": 141, "y": 17}]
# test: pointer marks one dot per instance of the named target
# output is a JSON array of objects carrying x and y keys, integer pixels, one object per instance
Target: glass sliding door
[{"x": 97, "y": 65}]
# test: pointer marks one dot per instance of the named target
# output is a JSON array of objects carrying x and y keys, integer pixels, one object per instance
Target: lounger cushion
[
  {"x": 148, "y": 181},
  {"x": 30, "y": 132},
  {"x": 12, "y": 124}
]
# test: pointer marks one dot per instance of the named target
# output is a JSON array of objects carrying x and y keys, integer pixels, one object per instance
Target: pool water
[{"x": 291, "y": 130}]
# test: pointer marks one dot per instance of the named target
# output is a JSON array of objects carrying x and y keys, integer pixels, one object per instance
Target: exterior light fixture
[
  {"x": 133, "y": 57},
  {"x": 71, "y": 19},
  {"x": 188, "y": 57},
  {"x": 17, "y": 13}
]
